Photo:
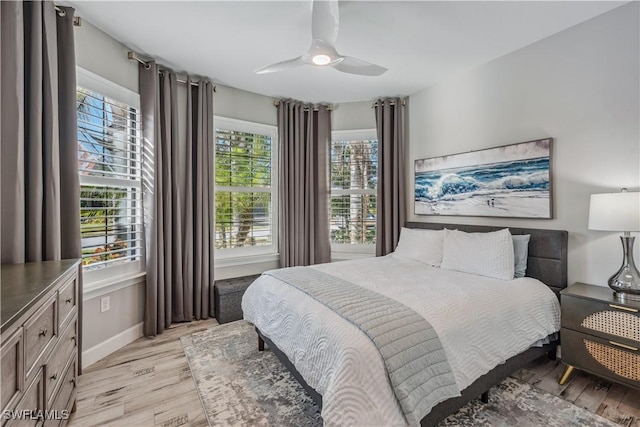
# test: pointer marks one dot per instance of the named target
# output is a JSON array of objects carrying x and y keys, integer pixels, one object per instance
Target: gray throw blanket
[{"x": 410, "y": 348}]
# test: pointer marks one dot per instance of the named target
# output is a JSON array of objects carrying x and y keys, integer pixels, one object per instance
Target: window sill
[
  {"x": 346, "y": 256},
  {"x": 245, "y": 260},
  {"x": 352, "y": 251},
  {"x": 97, "y": 288}
]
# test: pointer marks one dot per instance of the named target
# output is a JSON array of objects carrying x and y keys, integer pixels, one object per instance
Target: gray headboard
[{"x": 547, "y": 260}]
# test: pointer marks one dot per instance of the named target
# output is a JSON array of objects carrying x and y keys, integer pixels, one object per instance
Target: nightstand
[{"x": 600, "y": 334}]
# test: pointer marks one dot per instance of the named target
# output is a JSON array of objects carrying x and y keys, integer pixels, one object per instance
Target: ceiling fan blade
[
  {"x": 324, "y": 21},
  {"x": 280, "y": 66},
  {"x": 358, "y": 66}
]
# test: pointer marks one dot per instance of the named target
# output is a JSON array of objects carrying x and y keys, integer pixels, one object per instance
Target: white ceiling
[{"x": 420, "y": 42}]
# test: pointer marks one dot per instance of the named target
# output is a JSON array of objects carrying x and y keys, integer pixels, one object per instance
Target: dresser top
[
  {"x": 24, "y": 284},
  {"x": 597, "y": 293}
]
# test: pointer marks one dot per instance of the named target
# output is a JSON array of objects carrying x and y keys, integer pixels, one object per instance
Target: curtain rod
[
  {"x": 77, "y": 22},
  {"x": 329, "y": 108},
  {"x": 375, "y": 104},
  {"x": 134, "y": 57}
]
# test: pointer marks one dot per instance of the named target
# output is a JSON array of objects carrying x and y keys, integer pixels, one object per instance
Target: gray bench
[{"x": 228, "y": 297}]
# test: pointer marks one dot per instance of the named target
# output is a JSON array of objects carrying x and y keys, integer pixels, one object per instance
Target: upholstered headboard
[{"x": 547, "y": 260}]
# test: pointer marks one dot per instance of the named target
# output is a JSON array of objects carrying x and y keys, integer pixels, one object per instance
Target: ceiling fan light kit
[
  {"x": 321, "y": 59},
  {"x": 322, "y": 53}
]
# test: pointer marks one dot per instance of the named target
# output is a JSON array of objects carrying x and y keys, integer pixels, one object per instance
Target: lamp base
[{"x": 626, "y": 282}]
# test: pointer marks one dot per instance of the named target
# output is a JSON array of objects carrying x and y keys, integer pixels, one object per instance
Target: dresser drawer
[
  {"x": 39, "y": 332},
  {"x": 62, "y": 402},
  {"x": 602, "y": 319},
  {"x": 33, "y": 400},
  {"x": 12, "y": 370},
  {"x": 54, "y": 370},
  {"x": 67, "y": 300},
  {"x": 608, "y": 358}
]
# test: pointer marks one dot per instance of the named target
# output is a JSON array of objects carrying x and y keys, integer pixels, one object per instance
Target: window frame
[
  {"x": 352, "y": 250},
  {"x": 235, "y": 256},
  {"x": 102, "y": 277}
]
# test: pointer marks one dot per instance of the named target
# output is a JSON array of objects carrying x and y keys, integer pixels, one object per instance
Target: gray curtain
[
  {"x": 39, "y": 149},
  {"x": 304, "y": 133},
  {"x": 391, "y": 174},
  {"x": 177, "y": 125}
]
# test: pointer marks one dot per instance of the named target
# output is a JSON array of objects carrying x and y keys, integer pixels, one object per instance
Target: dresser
[
  {"x": 39, "y": 342},
  {"x": 600, "y": 334}
]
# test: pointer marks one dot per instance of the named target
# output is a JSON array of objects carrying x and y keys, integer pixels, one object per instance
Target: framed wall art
[{"x": 509, "y": 181}]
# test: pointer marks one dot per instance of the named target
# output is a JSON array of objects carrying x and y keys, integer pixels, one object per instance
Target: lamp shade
[{"x": 615, "y": 212}]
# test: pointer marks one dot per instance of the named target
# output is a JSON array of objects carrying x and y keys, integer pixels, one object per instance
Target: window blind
[
  {"x": 243, "y": 177},
  {"x": 109, "y": 163},
  {"x": 354, "y": 179}
]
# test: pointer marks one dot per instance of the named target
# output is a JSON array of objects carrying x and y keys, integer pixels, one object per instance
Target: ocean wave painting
[{"x": 509, "y": 181}]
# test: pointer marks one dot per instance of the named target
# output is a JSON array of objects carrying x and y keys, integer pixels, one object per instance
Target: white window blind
[
  {"x": 244, "y": 190},
  {"x": 354, "y": 180},
  {"x": 109, "y": 162}
]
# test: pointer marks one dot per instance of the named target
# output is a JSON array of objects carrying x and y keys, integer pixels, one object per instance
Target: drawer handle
[
  {"x": 68, "y": 300},
  {"x": 628, "y": 347},
  {"x": 53, "y": 377},
  {"x": 72, "y": 381},
  {"x": 43, "y": 333},
  {"x": 619, "y": 307}
]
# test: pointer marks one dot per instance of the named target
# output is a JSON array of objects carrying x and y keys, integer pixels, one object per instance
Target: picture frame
[{"x": 512, "y": 181}]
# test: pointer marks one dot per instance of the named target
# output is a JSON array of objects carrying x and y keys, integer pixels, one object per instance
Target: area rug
[{"x": 240, "y": 386}]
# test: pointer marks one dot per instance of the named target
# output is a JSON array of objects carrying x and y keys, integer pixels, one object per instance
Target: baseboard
[{"x": 97, "y": 352}]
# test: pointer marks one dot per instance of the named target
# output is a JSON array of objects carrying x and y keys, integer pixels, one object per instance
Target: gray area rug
[{"x": 240, "y": 386}]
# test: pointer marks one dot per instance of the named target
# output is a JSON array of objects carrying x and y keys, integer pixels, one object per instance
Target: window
[
  {"x": 354, "y": 181},
  {"x": 109, "y": 161},
  {"x": 245, "y": 188}
]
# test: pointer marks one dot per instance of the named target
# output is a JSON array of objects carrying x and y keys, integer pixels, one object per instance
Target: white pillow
[
  {"x": 520, "y": 254},
  {"x": 485, "y": 254},
  {"x": 420, "y": 245}
]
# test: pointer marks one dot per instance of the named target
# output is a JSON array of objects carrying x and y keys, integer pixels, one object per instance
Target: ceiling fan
[{"x": 322, "y": 53}]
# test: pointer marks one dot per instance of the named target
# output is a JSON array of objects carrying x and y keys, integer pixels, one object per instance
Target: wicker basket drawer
[
  {"x": 598, "y": 318},
  {"x": 607, "y": 358}
]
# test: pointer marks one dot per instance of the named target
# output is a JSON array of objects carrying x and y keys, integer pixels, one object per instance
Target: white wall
[
  {"x": 580, "y": 87},
  {"x": 353, "y": 115},
  {"x": 102, "y": 55},
  {"x": 242, "y": 105}
]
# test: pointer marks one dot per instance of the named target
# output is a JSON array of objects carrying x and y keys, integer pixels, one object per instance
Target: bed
[{"x": 341, "y": 368}]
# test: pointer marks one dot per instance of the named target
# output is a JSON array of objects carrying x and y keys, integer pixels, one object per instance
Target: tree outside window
[
  {"x": 244, "y": 194},
  {"x": 354, "y": 179}
]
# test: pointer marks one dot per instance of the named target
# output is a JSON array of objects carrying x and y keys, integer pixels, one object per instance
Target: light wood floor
[{"x": 148, "y": 383}]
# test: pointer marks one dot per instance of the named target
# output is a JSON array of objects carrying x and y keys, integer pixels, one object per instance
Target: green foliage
[
  {"x": 99, "y": 208},
  {"x": 243, "y": 163},
  {"x": 354, "y": 167}
]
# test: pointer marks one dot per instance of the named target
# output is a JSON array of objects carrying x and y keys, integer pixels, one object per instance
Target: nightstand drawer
[
  {"x": 608, "y": 358},
  {"x": 601, "y": 318}
]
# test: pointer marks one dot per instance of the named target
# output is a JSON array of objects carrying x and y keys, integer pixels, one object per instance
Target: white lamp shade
[{"x": 615, "y": 212}]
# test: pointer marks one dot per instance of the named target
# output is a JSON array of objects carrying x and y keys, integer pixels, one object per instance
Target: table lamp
[{"x": 619, "y": 212}]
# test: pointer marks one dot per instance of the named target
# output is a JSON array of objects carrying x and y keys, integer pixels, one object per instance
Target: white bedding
[{"x": 481, "y": 322}]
